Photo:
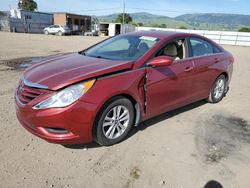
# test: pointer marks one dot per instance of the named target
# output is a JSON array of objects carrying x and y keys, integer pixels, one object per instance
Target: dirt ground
[{"x": 188, "y": 147}]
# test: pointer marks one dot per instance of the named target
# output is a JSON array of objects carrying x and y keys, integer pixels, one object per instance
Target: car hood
[{"x": 59, "y": 71}]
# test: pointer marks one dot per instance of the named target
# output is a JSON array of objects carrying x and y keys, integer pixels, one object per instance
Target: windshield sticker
[{"x": 148, "y": 38}]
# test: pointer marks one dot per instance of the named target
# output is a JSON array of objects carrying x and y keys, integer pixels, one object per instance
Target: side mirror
[{"x": 161, "y": 61}]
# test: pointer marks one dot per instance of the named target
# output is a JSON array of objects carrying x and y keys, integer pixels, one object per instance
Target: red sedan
[{"x": 102, "y": 92}]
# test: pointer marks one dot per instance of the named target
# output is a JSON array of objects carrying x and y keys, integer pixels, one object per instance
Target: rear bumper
[{"x": 77, "y": 119}]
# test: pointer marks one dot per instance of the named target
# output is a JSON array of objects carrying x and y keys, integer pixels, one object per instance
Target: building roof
[
  {"x": 36, "y": 12},
  {"x": 70, "y": 14}
]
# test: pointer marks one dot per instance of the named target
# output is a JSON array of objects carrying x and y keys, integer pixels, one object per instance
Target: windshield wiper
[
  {"x": 95, "y": 56},
  {"x": 101, "y": 57}
]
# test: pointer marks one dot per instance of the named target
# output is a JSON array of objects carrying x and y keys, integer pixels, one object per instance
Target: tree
[
  {"x": 29, "y": 5},
  {"x": 127, "y": 18},
  {"x": 154, "y": 25},
  {"x": 94, "y": 20},
  {"x": 182, "y": 27},
  {"x": 163, "y": 26},
  {"x": 140, "y": 24},
  {"x": 244, "y": 29}
]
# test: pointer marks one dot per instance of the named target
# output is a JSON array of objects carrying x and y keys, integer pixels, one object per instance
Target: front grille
[{"x": 26, "y": 94}]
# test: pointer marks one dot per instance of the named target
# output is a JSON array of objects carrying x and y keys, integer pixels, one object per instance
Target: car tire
[
  {"x": 218, "y": 90},
  {"x": 46, "y": 32},
  {"x": 114, "y": 121},
  {"x": 60, "y": 33}
]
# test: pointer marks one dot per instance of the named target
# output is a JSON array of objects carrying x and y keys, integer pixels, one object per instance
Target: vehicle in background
[{"x": 57, "y": 30}]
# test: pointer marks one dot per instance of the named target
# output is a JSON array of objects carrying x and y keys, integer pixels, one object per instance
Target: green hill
[
  {"x": 216, "y": 21},
  {"x": 147, "y": 20},
  {"x": 208, "y": 21}
]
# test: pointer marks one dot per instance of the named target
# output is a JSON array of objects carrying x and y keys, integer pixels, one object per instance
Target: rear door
[
  {"x": 204, "y": 56},
  {"x": 169, "y": 87}
]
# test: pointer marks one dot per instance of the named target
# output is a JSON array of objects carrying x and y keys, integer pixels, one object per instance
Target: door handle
[
  {"x": 216, "y": 60},
  {"x": 189, "y": 69}
]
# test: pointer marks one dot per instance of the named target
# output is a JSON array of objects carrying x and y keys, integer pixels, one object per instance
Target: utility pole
[{"x": 123, "y": 15}]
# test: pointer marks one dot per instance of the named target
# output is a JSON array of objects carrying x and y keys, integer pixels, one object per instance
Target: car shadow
[
  {"x": 83, "y": 146},
  {"x": 145, "y": 124}
]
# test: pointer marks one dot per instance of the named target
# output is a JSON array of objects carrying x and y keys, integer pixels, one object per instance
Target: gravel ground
[{"x": 193, "y": 146}]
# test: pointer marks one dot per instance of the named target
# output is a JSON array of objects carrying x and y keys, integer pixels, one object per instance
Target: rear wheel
[
  {"x": 60, "y": 33},
  {"x": 218, "y": 90},
  {"x": 114, "y": 121}
]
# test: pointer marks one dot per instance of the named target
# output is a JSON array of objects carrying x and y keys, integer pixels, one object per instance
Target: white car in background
[{"x": 57, "y": 29}]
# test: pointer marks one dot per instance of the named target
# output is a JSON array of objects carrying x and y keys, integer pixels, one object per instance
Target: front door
[{"x": 170, "y": 87}]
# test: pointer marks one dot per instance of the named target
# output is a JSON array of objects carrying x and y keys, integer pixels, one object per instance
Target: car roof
[{"x": 163, "y": 34}]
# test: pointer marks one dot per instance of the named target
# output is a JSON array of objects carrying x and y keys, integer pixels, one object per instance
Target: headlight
[{"x": 66, "y": 96}]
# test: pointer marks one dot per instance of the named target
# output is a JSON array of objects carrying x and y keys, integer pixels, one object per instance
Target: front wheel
[
  {"x": 46, "y": 32},
  {"x": 218, "y": 90},
  {"x": 114, "y": 122}
]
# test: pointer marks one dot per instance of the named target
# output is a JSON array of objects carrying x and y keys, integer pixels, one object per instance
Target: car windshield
[{"x": 122, "y": 47}]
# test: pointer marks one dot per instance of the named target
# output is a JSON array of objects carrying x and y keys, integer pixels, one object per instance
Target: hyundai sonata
[{"x": 102, "y": 92}]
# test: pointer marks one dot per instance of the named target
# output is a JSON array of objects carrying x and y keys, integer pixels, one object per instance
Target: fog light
[{"x": 57, "y": 130}]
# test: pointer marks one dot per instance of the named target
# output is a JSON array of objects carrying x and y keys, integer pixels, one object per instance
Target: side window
[
  {"x": 175, "y": 49},
  {"x": 216, "y": 50},
  {"x": 56, "y": 26},
  {"x": 200, "y": 47}
]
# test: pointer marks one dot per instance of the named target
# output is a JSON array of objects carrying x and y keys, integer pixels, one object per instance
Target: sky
[{"x": 170, "y": 8}]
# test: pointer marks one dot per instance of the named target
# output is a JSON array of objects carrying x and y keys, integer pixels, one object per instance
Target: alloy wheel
[
  {"x": 219, "y": 89},
  {"x": 116, "y": 122}
]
